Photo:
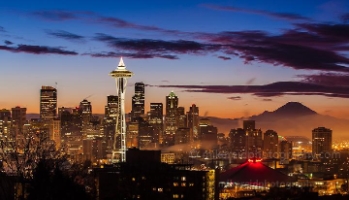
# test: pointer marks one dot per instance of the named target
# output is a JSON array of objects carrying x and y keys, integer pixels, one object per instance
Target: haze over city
[{"x": 232, "y": 58}]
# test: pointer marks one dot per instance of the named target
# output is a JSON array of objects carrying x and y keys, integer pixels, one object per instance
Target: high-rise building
[
  {"x": 254, "y": 142},
  {"x": 48, "y": 103},
  {"x": 19, "y": 118},
  {"x": 5, "y": 122},
  {"x": 85, "y": 110},
  {"x": 193, "y": 122},
  {"x": 181, "y": 118},
  {"x": 155, "y": 118},
  {"x": 55, "y": 132},
  {"x": 270, "y": 144},
  {"x": 171, "y": 113},
  {"x": 145, "y": 135},
  {"x": 285, "y": 151},
  {"x": 5, "y": 114},
  {"x": 110, "y": 115},
  {"x": 111, "y": 108},
  {"x": 238, "y": 140},
  {"x": 249, "y": 125},
  {"x": 120, "y": 74},
  {"x": 138, "y": 102},
  {"x": 208, "y": 135},
  {"x": 322, "y": 140}
]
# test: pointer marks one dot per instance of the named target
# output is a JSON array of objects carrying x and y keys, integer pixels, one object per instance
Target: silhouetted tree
[{"x": 50, "y": 182}]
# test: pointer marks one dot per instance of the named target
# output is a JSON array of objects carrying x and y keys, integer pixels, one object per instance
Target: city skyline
[{"x": 247, "y": 57}]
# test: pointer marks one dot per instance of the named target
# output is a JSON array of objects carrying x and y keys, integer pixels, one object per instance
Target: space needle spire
[{"x": 120, "y": 74}]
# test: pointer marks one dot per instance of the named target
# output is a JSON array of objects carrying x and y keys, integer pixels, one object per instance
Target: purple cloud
[
  {"x": 271, "y": 90},
  {"x": 65, "y": 35},
  {"x": 236, "y": 98},
  {"x": 130, "y": 55},
  {"x": 283, "y": 16},
  {"x": 7, "y": 42},
  {"x": 34, "y": 49},
  {"x": 157, "y": 46},
  {"x": 224, "y": 57},
  {"x": 55, "y": 15}
]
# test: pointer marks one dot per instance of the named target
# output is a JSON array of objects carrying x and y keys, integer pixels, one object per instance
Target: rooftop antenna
[{"x": 88, "y": 96}]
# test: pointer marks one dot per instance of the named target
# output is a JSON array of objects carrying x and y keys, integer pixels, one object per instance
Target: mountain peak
[{"x": 294, "y": 109}]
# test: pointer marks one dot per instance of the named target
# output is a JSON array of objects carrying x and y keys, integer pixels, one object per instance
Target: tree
[
  {"x": 20, "y": 154},
  {"x": 51, "y": 182}
]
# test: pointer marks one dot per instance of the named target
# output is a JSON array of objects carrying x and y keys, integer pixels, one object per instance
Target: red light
[{"x": 254, "y": 160}]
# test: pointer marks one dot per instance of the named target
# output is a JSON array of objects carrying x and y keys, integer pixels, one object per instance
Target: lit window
[
  {"x": 183, "y": 178},
  {"x": 191, "y": 184},
  {"x": 175, "y": 184},
  {"x": 183, "y": 184},
  {"x": 160, "y": 189},
  {"x": 154, "y": 188},
  {"x": 133, "y": 179},
  {"x": 175, "y": 196}
]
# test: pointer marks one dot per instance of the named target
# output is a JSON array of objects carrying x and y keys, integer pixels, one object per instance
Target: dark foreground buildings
[{"x": 143, "y": 176}]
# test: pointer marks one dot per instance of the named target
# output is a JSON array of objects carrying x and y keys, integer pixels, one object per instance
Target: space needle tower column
[{"x": 119, "y": 144}]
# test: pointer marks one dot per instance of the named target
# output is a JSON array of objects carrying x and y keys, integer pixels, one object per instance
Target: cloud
[
  {"x": 7, "y": 42},
  {"x": 235, "y": 98},
  {"x": 277, "y": 15},
  {"x": 156, "y": 46},
  {"x": 55, "y": 15},
  {"x": 271, "y": 90},
  {"x": 327, "y": 79},
  {"x": 130, "y": 55},
  {"x": 65, "y": 35},
  {"x": 306, "y": 46},
  {"x": 290, "y": 49},
  {"x": 2, "y": 29},
  {"x": 120, "y": 23},
  {"x": 224, "y": 57},
  {"x": 34, "y": 49}
]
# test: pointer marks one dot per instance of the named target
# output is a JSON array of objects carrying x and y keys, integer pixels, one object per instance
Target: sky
[{"x": 231, "y": 58}]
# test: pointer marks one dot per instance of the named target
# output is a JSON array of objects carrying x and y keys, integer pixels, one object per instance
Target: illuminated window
[
  {"x": 183, "y": 178},
  {"x": 160, "y": 189},
  {"x": 182, "y": 196},
  {"x": 191, "y": 184},
  {"x": 154, "y": 188},
  {"x": 133, "y": 179},
  {"x": 175, "y": 196},
  {"x": 143, "y": 177},
  {"x": 175, "y": 184},
  {"x": 183, "y": 184}
]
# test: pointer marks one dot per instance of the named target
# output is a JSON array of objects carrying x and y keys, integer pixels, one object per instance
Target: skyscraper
[
  {"x": 111, "y": 108},
  {"x": 110, "y": 115},
  {"x": 322, "y": 140},
  {"x": 19, "y": 118},
  {"x": 249, "y": 125},
  {"x": 121, "y": 75},
  {"x": 48, "y": 103},
  {"x": 193, "y": 122},
  {"x": 270, "y": 144},
  {"x": 138, "y": 101},
  {"x": 171, "y": 113},
  {"x": 155, "y": 118}
]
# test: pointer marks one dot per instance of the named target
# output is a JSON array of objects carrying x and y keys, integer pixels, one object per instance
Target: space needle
[{"x": 119, "y": 144}]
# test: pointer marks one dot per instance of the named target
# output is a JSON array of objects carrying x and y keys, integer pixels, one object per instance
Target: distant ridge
[
  {"x": 294, "y": 108},
  {"x": 289, "y": 110}
]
